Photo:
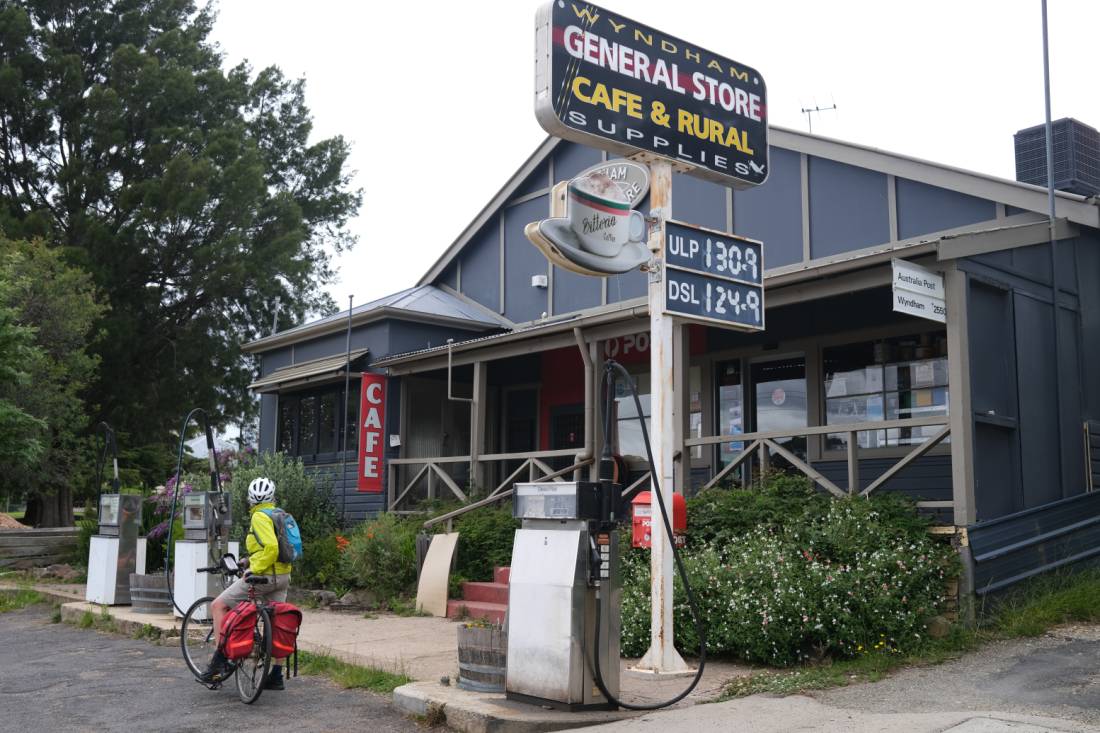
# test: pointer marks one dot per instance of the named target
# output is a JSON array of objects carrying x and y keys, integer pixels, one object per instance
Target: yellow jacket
[{"x": 263, "y": 554}]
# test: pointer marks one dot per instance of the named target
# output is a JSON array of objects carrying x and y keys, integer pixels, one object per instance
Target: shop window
[
  {"x": 889, "y": 379},
  {"x": 730, "y": 416},
  {"x": 780, "y": 400},
  {"x": 309, "y": 423},
  {"x": 328, "y": 424},
  {"x": 631, "y": 444},
  {"x": 695, "y": 408}
]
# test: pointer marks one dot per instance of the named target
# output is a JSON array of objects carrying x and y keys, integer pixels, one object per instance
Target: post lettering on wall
[{"x": 372, "y": 415}]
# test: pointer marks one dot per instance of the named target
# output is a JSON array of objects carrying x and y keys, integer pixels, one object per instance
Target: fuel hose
[
  {"x": 610, "y": 368},
  {"x": 215, "y": 485}
]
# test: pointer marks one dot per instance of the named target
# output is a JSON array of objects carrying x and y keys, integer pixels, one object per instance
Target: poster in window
[{"x": 923, "y": 374}]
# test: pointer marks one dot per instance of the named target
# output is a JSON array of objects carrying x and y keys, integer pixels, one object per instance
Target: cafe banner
[{"x": 372, "y": 416}]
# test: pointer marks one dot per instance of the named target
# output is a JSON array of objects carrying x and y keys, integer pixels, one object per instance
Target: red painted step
[
  {"x": 487, "y": 592},
  {"x": 491, "y": 612},
  {"x": 501, "y": 575}
]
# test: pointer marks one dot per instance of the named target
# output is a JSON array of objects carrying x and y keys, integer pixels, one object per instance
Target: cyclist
[{"x": 263, "y": 550}]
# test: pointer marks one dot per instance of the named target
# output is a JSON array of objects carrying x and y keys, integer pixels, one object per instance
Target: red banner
[{"x": 372, "y": 421}]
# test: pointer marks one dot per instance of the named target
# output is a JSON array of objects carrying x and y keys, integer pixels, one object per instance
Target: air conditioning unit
[{"x": 1076, "y": 156}]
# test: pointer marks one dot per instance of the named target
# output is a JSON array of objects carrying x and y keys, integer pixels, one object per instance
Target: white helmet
[{"x": 260, "y": 490}]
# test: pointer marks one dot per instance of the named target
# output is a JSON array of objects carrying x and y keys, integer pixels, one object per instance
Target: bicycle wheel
[
  {"x": 197, "y": 635},
  {"x": 252, "y": 671}
]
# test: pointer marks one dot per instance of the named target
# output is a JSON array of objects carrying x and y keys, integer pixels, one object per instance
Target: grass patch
[
  {"x": 404, "y": 607},
  {"x": 1031, "y": 610},
  {"x": 147, "y": 631},
  {"x": 18, "y": 599},
  {"x": 350, "y": 676},
  {"x": 1046, "y": 602},
  {"x": 102, "y": 621}
]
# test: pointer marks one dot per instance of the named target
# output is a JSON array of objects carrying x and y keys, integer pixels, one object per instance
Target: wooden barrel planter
[
  {"x": 482, "y": 658},
  {"x": 149, "y": 594}
]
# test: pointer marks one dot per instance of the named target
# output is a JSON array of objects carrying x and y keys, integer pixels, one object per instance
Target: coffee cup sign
[
  {"x": 600, "y": 214},
  {"x": 602, "y": 233}
]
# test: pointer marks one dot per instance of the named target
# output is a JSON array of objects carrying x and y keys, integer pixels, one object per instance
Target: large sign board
[
  {"x": 607, "y": 81},
  {"x": 918, "y": 291},
  {"x": 713, "y": 277},
  {"x": 372, "y": 421}
]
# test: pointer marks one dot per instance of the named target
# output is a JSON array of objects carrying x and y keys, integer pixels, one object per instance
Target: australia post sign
[
  {"x": 372, "y": 420},
  {"x": 604, "y": 80}
]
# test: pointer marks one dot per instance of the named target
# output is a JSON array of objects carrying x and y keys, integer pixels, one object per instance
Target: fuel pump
[
  {"x": 565, "y": 555},
  {"x": 565, "y": 591},
  {"x": 207, "y": 518},
  {"x": 116, "y": 551}
]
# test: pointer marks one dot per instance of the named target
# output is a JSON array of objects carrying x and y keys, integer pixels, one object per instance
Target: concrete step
[
  {"x": 490, "y": 592},
  {"x": 491, "y": 612},
  {"x": 501, "y": 575}
]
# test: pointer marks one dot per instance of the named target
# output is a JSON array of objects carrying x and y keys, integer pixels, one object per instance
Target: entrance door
[
  {"x": 521, "y": 411},
  {"x": 779, "y": 399}
]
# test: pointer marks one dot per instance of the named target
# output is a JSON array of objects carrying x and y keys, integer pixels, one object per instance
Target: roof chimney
[{"x": 1076, "y": 156}]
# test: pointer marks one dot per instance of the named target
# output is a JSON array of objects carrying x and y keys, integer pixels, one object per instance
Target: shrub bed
[{"x": 819, "y": 577}]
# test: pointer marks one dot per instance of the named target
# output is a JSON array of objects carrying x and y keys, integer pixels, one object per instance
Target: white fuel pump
[
  {"x": 207, "y": 519},
  {"x": 116, "y": 550},
  {"x": 564, "y": 555}
]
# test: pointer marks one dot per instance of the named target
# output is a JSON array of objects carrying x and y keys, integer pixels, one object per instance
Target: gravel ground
[
  {"x": 1056, "y": 675},
  {"x": 60, "y": 678}
]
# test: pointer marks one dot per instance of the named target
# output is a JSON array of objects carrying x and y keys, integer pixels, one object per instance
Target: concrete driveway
[{"x": 1051, "y": 683}]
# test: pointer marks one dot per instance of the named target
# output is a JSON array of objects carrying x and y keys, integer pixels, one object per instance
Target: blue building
[{"x": 490, "y": 369}]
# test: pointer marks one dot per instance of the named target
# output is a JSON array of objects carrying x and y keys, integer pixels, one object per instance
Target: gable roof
[
  {"x": 423, "y": 303},
  {"x": 1070, "y": 206}
]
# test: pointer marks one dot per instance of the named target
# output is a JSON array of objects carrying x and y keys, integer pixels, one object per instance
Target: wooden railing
[
  {"x": 532, "y": 467},
  {"x": 763, "y": 443}
]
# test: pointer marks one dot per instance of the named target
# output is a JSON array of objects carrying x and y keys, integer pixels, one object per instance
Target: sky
[{"x": 437, "y": 98}]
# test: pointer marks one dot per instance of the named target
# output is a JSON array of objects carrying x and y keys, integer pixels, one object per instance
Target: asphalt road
[
  {"x": 55, "y": 677},
  {"x": 1056, "y": 674}
]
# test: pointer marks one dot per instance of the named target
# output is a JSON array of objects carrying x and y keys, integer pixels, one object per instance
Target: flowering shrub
[
  {"x": 838, "y": 584},
  {"x": 320, "y": 563},
  {"x": 307, "y": 497},
  {"x": 381, "y": 556}
]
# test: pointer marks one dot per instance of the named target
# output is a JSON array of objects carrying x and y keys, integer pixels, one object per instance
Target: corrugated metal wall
[{"x": 1018, "y": 546}]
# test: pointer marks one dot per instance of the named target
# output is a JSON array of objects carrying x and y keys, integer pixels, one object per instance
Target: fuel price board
[{"x": 714, "y": 277}]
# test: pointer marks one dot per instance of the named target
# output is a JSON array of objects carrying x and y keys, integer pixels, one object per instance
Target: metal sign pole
[{"x": 662, "y": 657}]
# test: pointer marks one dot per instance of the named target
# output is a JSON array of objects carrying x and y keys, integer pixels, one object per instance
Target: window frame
[
  {"x": 813, "y": 348},
  {"x": 341, "y": 414}
]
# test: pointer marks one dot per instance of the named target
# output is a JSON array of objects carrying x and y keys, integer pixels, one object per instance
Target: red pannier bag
[
  {"x": 286, "y": 620},
  {"x": 238, "y": 631}
]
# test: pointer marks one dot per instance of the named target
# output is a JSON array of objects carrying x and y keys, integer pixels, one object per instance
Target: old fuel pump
[
  {"x": 565, "y": 555},
  {"x": 114, "y": 552},
  {"x": 565, "y": 592},
  {"x": 207, "y": 518}
]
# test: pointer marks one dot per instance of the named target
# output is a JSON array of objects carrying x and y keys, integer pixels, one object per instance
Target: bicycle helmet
[{"x": 260, "y": 490}]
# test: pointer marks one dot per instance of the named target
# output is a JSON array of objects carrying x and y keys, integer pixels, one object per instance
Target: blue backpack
[{"x": 288, "y": 534}]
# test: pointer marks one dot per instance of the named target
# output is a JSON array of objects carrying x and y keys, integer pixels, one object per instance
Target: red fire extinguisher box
[{"x": 642, "y": 512}]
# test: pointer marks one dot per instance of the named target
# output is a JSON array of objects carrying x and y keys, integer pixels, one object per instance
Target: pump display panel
[
  {"x": 554, "y": 500},
  {"x": 108, "y": 510},
  {"x": 194, "y": 511}
]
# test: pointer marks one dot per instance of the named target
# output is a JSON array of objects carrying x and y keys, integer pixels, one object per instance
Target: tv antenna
[{"x": 809, "y": 111}]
